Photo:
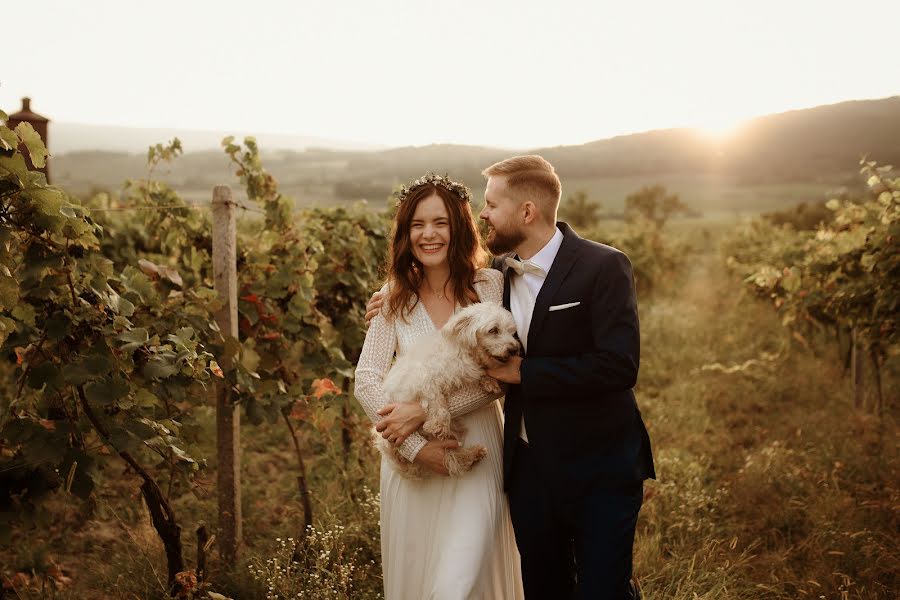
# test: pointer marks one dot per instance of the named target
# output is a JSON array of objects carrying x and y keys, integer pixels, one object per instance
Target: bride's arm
[
  {"x": 374, "y": 363},
  {"x": 464, "y": 401}
]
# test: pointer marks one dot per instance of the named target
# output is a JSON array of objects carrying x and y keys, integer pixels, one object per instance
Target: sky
[{"x": 516, "y": 74}]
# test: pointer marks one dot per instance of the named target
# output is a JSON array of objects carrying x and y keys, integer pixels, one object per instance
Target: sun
[{"x": 720, "y": 126}]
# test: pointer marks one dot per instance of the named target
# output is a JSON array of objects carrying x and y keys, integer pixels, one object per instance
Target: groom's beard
[{"x": 500, "y": 242}]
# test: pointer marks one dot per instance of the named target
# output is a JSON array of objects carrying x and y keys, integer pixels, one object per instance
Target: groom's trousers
[{"x": 574, "y": 543}]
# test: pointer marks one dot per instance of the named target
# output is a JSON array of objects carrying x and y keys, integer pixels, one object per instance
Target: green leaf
[
  {"x": 141, "y": 430},
  {"x": 7, "y": 326},
  {"x": 76, "y": 373},
  {"x": 46, "y": 372},
  {"x": 135, "y": 281},
  {"x": 146, "y": 399},
  {"x": 103, "y": 266},
  {"x": 98, "y": 364},
  {"x": 181, "y": 455},
  {"x": 9, "y": 292},
  {"x": 255, "y": 413},
  {"x": 25, "y": 313},
  {"x": 159, "y": 368},
  {"x": 8, "y": 139},
  {"x": 68, "y": 211},
  {"x": 119, "y": 304},
  {"x": 232, "y": 347},
  {"x": 136, "y": 338},
  {"x": 49, "y": 201},
  {"x": 33, "y": 143},
  {"x": 123, "y": 440},
  {"x": 57, "y": 326},
  {"x": 106, "y": 391},
  {"x": 249, "y": 358},
  {"x": 14, "y": 165},
  {"x": 172, "y": 275}
]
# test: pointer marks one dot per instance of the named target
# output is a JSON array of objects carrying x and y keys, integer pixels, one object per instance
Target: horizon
[
  {"x": 570, "y": 74},
  {"x": 375, "y": 147}
]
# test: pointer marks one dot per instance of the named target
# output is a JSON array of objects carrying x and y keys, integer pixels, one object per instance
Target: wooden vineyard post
[{"x": 228, "y": 418}]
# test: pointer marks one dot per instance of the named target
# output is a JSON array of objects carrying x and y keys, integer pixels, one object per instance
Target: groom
[{"x": 576, "y": 451}]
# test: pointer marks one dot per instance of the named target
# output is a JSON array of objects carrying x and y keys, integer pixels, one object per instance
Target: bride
[{"x": 441, "y": 537}]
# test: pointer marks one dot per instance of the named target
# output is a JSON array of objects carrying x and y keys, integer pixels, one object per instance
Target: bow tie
[{"x": 524, "y": 266}]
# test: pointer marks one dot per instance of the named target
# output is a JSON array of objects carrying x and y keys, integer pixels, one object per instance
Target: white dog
[{"x": 478, "y": 337}]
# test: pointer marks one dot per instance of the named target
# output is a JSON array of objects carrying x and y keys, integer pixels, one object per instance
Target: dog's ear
[{"x": 463, "y": 329}]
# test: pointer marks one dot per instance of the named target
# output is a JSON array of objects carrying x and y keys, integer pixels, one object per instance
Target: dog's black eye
[{"x": 494, "y": 331}]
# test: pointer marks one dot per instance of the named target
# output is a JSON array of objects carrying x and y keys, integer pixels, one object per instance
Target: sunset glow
[{"x": 510, "y": 74}]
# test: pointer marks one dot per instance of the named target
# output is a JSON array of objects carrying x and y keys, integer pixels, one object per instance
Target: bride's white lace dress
[{"x": 442, "y": 538}]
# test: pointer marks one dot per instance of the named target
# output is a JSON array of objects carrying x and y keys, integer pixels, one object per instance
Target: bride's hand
[
  {"x": 400, "y": 421},
  {"x": 374, "y": 306},
  {"x": 433, "y": 455}
]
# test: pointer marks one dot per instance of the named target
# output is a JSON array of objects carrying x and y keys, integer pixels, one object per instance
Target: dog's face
[{"x": 488, "y": 331}]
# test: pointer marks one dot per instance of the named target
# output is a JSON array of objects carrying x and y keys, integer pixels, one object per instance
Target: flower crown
[{"x": 444, "y": 181}]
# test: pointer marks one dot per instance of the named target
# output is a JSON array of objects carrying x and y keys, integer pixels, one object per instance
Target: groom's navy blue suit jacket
[{"x": 582, "y": 422}]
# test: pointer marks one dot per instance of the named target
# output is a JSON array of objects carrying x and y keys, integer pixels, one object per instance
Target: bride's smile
[{"x": 431, "y": 248}]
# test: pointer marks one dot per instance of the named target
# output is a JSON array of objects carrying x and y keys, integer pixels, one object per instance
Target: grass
[{"x": 771, "y": 485}]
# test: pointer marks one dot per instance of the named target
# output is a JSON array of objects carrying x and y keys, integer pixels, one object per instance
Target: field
[
  {"x": 771, "y": 485},
  {"x": 338, "y": 182},
  {"x": 711, "y": 195}
]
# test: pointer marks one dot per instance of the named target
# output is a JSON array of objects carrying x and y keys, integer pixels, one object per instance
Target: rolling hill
[{"x": 768, "y": 162}]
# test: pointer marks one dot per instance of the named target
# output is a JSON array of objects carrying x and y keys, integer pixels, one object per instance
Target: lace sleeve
[
  {"x": 489, "y": 285},
  {"x": 374, "y": 363}
]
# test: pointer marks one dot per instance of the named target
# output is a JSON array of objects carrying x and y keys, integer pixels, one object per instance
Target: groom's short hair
[{"x": 530, "y": 177}]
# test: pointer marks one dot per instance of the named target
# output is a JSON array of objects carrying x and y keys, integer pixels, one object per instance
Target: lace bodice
[{"x": 385, "y": 338}]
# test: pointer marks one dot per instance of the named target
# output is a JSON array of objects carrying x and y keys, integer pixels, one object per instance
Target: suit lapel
[
  {"x": 500, "y": 265},
  {"x": 506, "y": 289},
  {"x": 565, "y": 258}
]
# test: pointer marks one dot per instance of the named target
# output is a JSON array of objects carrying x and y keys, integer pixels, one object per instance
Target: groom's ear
[{"x": 530, "y": 212}]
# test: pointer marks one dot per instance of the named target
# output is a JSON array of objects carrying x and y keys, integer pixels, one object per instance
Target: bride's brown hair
[{"x": 464, "y": 253}]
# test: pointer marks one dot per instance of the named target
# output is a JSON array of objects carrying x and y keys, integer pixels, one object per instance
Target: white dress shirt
[{"x": 523, "y": 293}]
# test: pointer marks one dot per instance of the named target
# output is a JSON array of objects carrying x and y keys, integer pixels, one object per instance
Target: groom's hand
[
  {"x": 508, "y": 372},
  {"x": 400, "y": 421},
  {"x": 433, "y": 455},
  {"x": 374, "y": 306}
]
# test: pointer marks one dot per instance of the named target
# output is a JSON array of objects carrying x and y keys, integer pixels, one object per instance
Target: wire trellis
[{"x": 175, "y": 207}]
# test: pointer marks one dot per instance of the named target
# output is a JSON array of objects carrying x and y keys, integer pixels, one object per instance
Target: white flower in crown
[{"x": 443, "y": 181}]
